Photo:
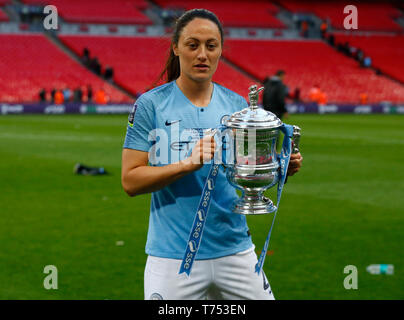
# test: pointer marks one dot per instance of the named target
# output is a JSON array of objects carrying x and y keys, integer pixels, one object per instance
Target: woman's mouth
[{"x": 201, "y": 66}]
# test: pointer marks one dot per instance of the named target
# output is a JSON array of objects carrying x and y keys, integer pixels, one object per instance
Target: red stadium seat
[
  {"x": 100, "y": 11},
  {"x": 372, "y": 16},
  {"x": 31, "y": 62},
  {"x": 236, "y": 13},
  {"x": 386, "y": 51},
  {"x": 137, "y": 61},
  {"x": 312, "y": 62}
]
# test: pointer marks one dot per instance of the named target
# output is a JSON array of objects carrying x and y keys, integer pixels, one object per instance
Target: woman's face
[{"x": 199, "y": 49}]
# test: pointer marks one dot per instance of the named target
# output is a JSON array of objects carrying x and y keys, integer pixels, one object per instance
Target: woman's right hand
[
  {"x": 138, "y": 177},
  {"x": 203, "y": 151}
]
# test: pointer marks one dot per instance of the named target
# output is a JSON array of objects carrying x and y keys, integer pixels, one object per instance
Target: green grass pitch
[{"x": 345, "y": 207}]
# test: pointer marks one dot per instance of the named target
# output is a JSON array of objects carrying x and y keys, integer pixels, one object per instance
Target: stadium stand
[
  {"x": 229, "y": 77},
  {"x": 137, "y": 62},
  {"x": 100, "y": 11},
  {"x": 308, "y": 63},
  {"x": 31, "y": 62},
  {"x": 386, "y": 51},
  {"x": 236, "y": 13},
  {"x": 373, "y": 16}
]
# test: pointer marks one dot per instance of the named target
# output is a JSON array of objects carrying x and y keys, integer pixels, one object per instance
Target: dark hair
[
  {"x": 172, "y": 67},
  {"x": 280, "y": 73}
]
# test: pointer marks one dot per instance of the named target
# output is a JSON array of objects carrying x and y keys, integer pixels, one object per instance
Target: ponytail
[{"x": 172, "y": 68}]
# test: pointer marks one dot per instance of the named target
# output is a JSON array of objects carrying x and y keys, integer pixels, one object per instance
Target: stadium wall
[{"x": 77, "y": 108}]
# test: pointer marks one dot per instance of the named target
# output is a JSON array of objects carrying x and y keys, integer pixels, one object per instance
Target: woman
[{"x": 224, "y": 265}]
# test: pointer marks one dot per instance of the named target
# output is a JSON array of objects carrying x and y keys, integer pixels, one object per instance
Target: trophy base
[{"x": 247, "y": 207}]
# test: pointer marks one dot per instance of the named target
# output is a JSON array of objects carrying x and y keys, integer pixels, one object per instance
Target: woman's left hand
[{"x": 295, "y": 163}]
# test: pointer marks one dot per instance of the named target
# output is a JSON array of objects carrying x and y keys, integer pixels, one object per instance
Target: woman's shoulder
[
  {"x": 231, "y": 95},
  {"x": 156, "y": 94}
]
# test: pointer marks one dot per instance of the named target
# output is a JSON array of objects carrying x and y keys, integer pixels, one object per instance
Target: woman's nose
[{"x": 202, "y": 53}]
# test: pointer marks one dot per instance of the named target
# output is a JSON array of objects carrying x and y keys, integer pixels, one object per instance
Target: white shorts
[{"x": 229, "y": 278}]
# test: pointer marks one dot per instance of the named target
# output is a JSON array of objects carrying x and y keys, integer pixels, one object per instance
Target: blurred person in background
[
  {"x": 274, "y": 95},
  {"x": 363, "y": 98},
  {"x": 323, "y": 98},
  {"x": 109, "y": 73},
  {"x": 89, "y": 93},
  {"x": 85, "y": 58},
  {"x": 314, "y": 93},
  {"x": 317, "y": 95},
  {"x": 78, "y": 95},
  {"x": 95, "y": 65},
  {"x": 304, "y": 29},
  {"x": 323, "y": 29},
  {"x": 359, "y": 55},
  {"x": 331, "y": 40},
  {"x": 101, "y": 97},
  {"x": 42, "y": 95},
  {"x": 296, "y": 95},
  {"x": 367, "y": 62},
  {"x": 52, "y": 93},
  {"x": 59, "y": 98},
  {"x": 67, "y": 94}
]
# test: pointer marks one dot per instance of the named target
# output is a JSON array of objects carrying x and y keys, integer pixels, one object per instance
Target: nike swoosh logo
[{"x": 171, "y": 122}]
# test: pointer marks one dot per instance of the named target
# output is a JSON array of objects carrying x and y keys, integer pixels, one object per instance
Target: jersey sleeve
[{"x": 140, "y": 124}]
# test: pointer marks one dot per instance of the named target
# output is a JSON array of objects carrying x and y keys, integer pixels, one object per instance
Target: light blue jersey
[{"x": 180, "y": 124}]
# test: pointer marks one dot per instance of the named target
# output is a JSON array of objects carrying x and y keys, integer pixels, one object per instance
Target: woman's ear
[{"x": 175, "y": 49}]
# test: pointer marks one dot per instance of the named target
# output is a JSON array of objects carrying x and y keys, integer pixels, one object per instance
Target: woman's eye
[
  {"x": 211, "y": 46},
  {"x": 192, "y": 45}
]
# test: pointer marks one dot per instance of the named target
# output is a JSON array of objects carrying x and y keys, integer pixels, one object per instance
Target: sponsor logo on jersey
[
  {"x": 179, "y": 145},
  {"x": 131, "y": 117}
]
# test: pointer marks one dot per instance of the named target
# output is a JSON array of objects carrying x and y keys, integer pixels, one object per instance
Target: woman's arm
[{"x": 138, "y": 177}]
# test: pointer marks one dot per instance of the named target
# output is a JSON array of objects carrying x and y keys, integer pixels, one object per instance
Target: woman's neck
[{"x": 199, "y": 93}]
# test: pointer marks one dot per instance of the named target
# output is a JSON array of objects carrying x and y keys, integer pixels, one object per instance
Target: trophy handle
[
  {"x": 296, "y": 139},
  {"x": 212, "y": 132}
]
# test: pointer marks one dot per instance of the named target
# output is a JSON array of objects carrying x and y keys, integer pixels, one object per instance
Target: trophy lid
[{"x": 253, "y": 116}]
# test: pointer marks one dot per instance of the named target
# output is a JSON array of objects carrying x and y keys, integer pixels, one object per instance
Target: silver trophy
[{"x": 253, "y": 166}]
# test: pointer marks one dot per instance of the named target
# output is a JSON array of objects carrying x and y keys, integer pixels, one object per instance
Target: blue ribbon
[
  {"x": 195, "y": 236},
  {"x": 284, "y": 158}
]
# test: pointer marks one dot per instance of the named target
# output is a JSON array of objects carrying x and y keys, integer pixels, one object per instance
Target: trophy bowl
[{"x": 252, "y": 164}]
